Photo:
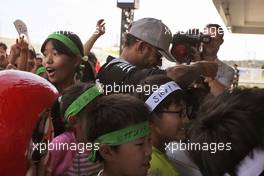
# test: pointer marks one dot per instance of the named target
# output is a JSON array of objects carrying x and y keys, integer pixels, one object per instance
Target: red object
[
  {"x": 180, "y": 51},
  {"x": 23, "y": 96},
  {"x": 97, "y": 66}
]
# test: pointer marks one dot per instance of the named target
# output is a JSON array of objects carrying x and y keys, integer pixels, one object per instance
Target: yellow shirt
[{"x": 160, "y": 165}]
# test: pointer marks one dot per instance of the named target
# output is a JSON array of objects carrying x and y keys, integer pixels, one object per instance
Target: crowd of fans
[{"x": 191, "y": 122}]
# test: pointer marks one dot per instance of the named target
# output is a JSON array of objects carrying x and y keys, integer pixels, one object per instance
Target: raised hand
[
  {"x": 15, "y": 49},
  {"x": 23, "y": 45},
  {"x": 100, "y": 30},
  {"x": 100, "y": 27}
]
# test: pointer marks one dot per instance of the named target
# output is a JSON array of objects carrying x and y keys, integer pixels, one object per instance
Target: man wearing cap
[
  {"x": 225, "y": 73},
  {"x": 146, "y": 42}
]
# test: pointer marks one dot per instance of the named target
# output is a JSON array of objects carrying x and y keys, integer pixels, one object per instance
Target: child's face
[
  {"x": 38, "y": 62},
  {"x": 168, "y": 122},
  {"x": 132, "y": 159},
  {"x": 60, "y": 67}
]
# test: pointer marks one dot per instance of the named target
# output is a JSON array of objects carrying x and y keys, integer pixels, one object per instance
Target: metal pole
[{"x": 127, "y": 18}]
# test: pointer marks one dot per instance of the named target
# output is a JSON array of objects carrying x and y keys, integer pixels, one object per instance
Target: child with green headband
[
  {"x": 72, "y": 158},
  {"x": 119, "y": 124},
  {"x": 63, "y": 53},
  {"x": 167, "y": 104}
]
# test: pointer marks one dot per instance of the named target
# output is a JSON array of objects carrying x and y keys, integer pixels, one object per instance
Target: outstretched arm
[
  {"x": 100, "y": 30},
  {"x": 185, "y": 75}
]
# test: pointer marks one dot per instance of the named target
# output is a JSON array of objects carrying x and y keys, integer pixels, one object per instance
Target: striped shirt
[
  {"x": 68, "y": 162},
  {"x": 82, "y": 167}
]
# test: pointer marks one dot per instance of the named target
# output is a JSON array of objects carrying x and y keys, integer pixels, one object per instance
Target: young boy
[
  {"x": 118, "y": 126},
  {"x": 168, "y": 108}
]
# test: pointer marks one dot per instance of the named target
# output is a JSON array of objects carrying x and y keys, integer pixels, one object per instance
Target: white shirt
[
  {"x": 182, "y": 162},
  {"x": 252, "y": 165}
]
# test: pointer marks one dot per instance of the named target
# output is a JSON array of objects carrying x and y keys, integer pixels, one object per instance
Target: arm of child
[{"x": 100, "y": 30}]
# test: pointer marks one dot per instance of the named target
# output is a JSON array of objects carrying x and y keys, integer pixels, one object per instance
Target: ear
[
  {"x": 155, "y": 122},
  {"x": 72, "y": 120},
  {"x": 140, "y": 47},
  {"x": 106, "y": 152}
]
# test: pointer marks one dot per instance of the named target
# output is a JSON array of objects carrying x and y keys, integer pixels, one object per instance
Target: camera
[{"x": 187, "y": 46}]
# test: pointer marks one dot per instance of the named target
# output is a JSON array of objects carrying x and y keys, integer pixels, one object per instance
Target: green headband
[
  {"x": 121, "y": 136},
  {"x": 41, "y": 70},
  {"x": 66, "y": 41},
  {"x": 85, "y": 98}
]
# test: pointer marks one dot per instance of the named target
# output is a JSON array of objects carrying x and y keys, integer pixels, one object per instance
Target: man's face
[
  {"x": 216, "y": 41},
  {"x": 151, "y": 57}
]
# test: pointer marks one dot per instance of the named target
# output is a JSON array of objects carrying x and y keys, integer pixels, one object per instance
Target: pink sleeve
[{"x": 60, "y": 159}]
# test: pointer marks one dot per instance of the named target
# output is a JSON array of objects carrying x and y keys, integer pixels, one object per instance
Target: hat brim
[{"x": 168, "y": 56}]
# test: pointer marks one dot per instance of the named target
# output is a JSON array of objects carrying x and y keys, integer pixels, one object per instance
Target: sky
[{"x": 43, "y": 17}]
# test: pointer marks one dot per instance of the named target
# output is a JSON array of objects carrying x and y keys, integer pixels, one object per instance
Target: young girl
[
  {"x": 69, "y": 151},
  {"x": 167, "y": 104},
  {"x": 63, "y": 52},
  {"x": 118, "y": 126}
]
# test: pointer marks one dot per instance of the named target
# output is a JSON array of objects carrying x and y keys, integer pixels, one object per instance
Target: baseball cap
[{"x": 155, "y": 33}]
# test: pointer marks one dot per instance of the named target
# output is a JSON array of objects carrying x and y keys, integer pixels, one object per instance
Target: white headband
[{"x": 164, "y": 90}]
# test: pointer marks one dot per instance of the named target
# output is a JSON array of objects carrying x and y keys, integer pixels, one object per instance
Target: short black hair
[
  {"x": 235, "y": 118},
  {"x": 86, "y": 74},
  {"x": 159, "y": 80},
  {"x": 61, "y": 48},
  {"x": 92, "y": 58},
  {"x": 70, "y": 94},
  {"x": 3, "y": 45},
  {"x": 32, "y": 52},
  {"x": 114, "y": 112}
]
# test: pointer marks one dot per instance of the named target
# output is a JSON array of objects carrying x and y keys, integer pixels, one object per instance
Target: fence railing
[{"x": 251, "y": 77}]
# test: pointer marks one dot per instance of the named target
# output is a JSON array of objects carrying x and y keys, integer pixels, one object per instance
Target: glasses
[
  {"x": 180, "y": 113},
  {"x": 154, "y": 49}
]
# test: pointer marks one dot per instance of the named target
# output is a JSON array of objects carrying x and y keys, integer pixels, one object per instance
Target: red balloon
[{"x": 23, "y": 96}]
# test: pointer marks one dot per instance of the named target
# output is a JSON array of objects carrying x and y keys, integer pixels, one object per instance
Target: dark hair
[
  {"x": 92, "y": 58},
  {"x": 195, "y": 96},
  {"x": 87, "y": 73},
  {"x": 216, "y": 26},
  {"x": 158, "y": 80},
  {"x": 235, "y": 118},
  {"x": 129, "y": 40},
  {"x": 71, "y": 94},
  {"x": 114, "y": 112},
  {"x": 32, "y": 52},
  {"x": 61, "y": 48},
  {"x": 3, "y": 45}
]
